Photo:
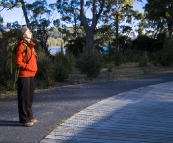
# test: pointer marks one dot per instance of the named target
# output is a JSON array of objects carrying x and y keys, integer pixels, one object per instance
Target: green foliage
[
  {"x": 45, "y": 68},
  {"x": 69, "y": 61},
  {"x": 4, "y": 80},
  {"x": 154, "y": 59},
  {"x": 109, "y": 67},
  {"x": 143, "y": 60},
  {"x": 60, "y": 72},
  {"x": 160, "y": 14},
  {"x": 144, "y": 43},
  {"x": 7, "y": 79},
  {"x": 90, "y": 63},
  {"x": 66, "y": 59},
  {"x": 76, "y": 46},
  {"x": 131, "y": 56},
  {"x": 165, "y": 55},
  {"x": 162, "y": 37},
  {"x": 117, "y": 58},
  {"x": 63, "y": 66},
  {"x": 54, "y": 70},
  {"x": 109, "y": 52},
  {"x": 10, "y": 4}
]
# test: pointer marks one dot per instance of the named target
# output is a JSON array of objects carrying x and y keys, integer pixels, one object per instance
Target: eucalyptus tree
[
  {"x": 69, "y": 11},
  {"x": 25, "y": 14},
  {"x": 96, "y": 10},
  {"x": 160, "y": 15},
  {"x": 9, "y": 4},
  {"x": 75, "y": 11},
  {"x": 1, "y": 20},
  {"x": 39, "y": 13},
  {"x": 121, "y": 12},
  {"x": 142, "y": 28}
]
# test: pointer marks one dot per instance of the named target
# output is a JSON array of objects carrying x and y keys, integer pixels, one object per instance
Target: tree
[
  {"x": 97, "y": 8},
  {"x": 9, "y": 4},
  {"x": 160, "y": 13},
  {"x": 118, "y": 12},
  {"x": 40, "y": 12},
  {"x": 25, "y": 14},
  {"x": 74, "y": 12},
  {"x": 1, "y": 20},
  {"x": 69, "y": 11}
]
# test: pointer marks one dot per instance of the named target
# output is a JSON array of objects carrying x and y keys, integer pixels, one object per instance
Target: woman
[{"x": 25, "y": 60}]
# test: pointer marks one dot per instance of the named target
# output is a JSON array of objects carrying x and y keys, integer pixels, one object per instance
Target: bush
[
  {"x": 69, "y": 61},
  {"x": 109, "y": 67},
  {"x": 45, "y": 68},
  {"x": 57, "y": 69},
  {"x": 90, "y": 63},
  {"x": 117, "y": 58},
  {"x": 165, "y": 56},
  {"x": 131, "y": 56},
  {"x": 75, "y": 46},
  {"x": 143, "y": 60},
  {"x": 63, "y": 66},
  {"x": 60, "y": 72},
  {"x": 154, "y": 59},
  {"x": 7, "y": 80}
]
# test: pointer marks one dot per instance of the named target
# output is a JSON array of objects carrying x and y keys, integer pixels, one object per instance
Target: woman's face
[{"x": 27, "y": 35}]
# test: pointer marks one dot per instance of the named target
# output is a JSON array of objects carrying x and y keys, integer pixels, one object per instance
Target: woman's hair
[{"x": 21, "y": 32}]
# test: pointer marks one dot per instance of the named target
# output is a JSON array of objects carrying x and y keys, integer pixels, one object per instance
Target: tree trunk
[
  {"x": 25, "y": 14},
  {"x": 90, "y": 39},
  {"x": 117, "y": 43},
  {"x": 90, "y": 29},
  {"x": 75, "y": 24}
]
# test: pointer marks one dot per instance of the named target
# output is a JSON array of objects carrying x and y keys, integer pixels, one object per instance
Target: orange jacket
[{"x": 22, "y": 57}]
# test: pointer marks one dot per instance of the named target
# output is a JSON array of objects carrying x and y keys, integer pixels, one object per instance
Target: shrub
[
  {"x": 131, "y": 56},
  {"x": 63, "y": 66},
  {"x": 75, "y": 46},
  {"x": 60, "y": 72},
  {"x": 7, "y": 80},
  {"x": 154, "y": 59},
  {"x": 90, "y": 63},
  {"x": 109, "y": 67},
  {"x": 45, "y": 68},
  {"x": 117, "y": 58},
  {"x": 143, "y": 60},
  {"x": 69, "y": 61},
  {"x": 165, "y": 56}
]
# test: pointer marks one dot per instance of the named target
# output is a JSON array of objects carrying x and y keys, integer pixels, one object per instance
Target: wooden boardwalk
[{"x": 143, "y": 115}]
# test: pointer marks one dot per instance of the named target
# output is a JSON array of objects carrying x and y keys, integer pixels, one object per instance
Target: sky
[{"x": 16, "y": 14}]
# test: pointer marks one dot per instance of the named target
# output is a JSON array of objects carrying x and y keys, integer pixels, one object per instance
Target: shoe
[
  {"x": 28, "y": 124},
  {"x": 33, "y": 120}
]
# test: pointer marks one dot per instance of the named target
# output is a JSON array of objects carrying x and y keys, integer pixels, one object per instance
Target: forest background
[{"x": 132, "y": 39}]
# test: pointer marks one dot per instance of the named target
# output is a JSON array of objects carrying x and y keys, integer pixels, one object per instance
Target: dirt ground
[{"x": 124, "y": 72}]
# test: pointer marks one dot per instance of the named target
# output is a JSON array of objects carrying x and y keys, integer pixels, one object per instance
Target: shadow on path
[{"x": 9, "y": 123}]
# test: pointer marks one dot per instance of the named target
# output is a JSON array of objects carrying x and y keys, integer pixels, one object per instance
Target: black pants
[{"x": 25, "y": 88}]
